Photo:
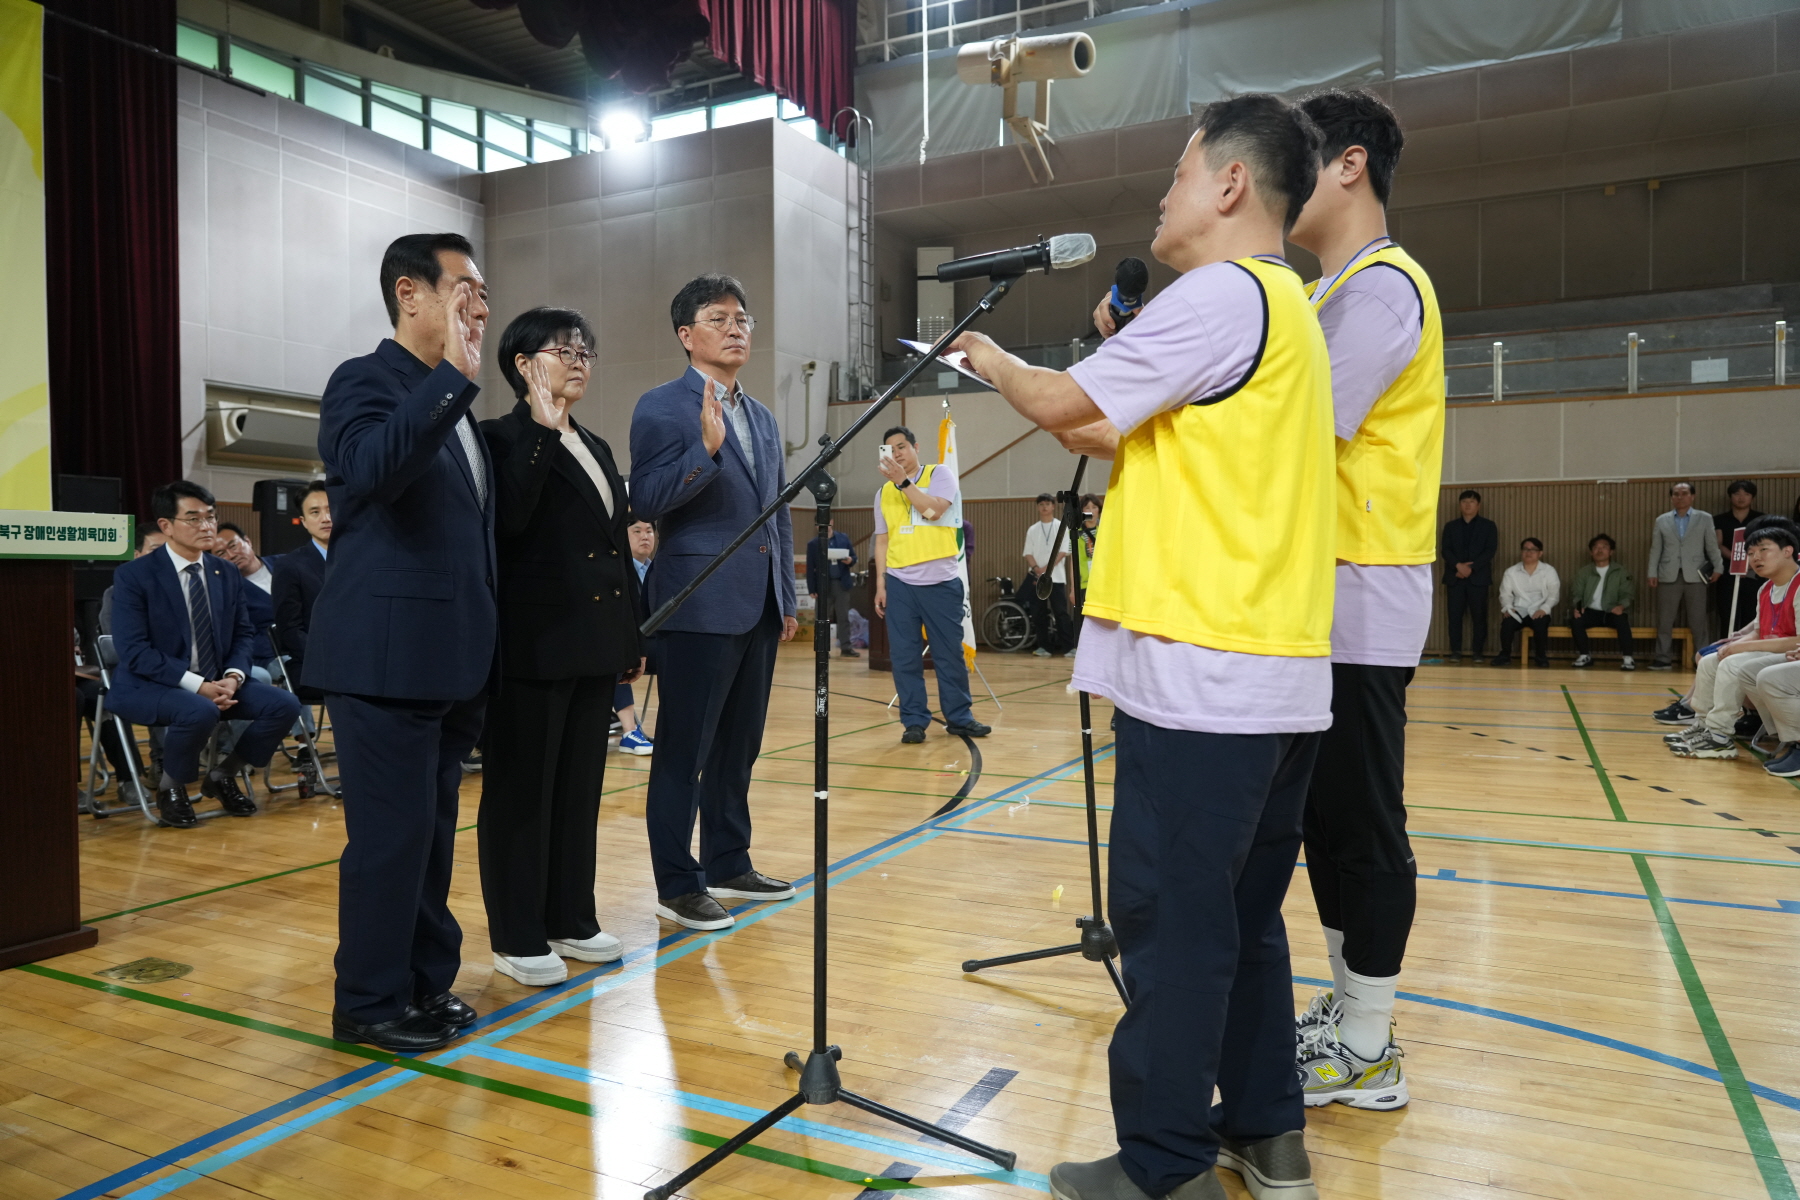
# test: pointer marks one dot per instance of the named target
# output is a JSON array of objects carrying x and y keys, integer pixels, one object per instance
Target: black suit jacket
[
  {"x": 1474, "y": 542},
  {"x": 408, "y": 606},
  {"x": 299, "y": 578},
  {"x": 568, "y": 591}
]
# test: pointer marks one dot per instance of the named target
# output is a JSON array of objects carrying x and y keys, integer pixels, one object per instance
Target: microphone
[
  {"x": 1130, "y": 280},
  {"x": 1063, "y": 250}
]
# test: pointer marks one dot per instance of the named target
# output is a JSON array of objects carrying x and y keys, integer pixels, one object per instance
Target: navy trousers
[
  {"x": 191, "y": 718},
  {"x": 1205, "y": 834},
  {"x": 400, "y": 766},
  {"x": 938, "y": 609},
  {"x": 709, "y": 727}
]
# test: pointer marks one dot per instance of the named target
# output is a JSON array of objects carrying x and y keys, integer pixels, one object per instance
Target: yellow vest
[
  {"x": 1388, "y": 474},
  {"x": 1219, "y": 513},
  {"x": 910, "y": 539}
]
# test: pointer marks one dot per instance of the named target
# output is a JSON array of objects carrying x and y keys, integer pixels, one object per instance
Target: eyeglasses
[
  {"x": 572, "y": 356},
  {"x": 200, "y": 520},
  {"x": 746, "y": 322}
]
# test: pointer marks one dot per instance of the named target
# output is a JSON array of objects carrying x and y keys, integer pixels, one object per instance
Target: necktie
[
  {"x": 206, "y": 653},
  {"x": 465, "y": 430}
]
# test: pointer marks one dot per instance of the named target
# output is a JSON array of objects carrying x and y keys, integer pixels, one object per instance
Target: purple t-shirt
[
  {"x": 1372, "y": 327},
  {"x": 933, "y": 570},
  {"x": 1197, "y": 338}
]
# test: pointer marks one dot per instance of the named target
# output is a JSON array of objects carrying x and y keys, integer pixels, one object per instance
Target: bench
[{"x": 1641, "y": 634}]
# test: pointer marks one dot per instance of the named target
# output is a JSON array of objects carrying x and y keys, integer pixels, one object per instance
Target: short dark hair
[
  {"x": 1742, "y": 485},
  {"x": 701, "y": 291},
  {"x": 165, "y": 501},
  {"x": 143, "y": 532},
  {"x": 910, "y": 436},
  {"x": 317, "y": 485},
  {"x": 1349, "y": 117},
  {"x": 1093, "y": 498},
  {"x": 1681, "y": 483},
  {"x": 234, "y": 527},
  {"x": 1779, "y": 530},
  {"x": 1534, "y": 543},
  {"x": 1602, "y": 537},
  {"x": 1274, "y": 139},
  {"x": 1469, "y": 494},
  {"x": 415, "y": 256},
  {"x": 531, "y": 330},
  {"x": 1043, "y": 496}
]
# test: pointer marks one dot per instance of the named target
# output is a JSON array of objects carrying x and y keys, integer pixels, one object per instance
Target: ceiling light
[{"x": 622, "y": 126}]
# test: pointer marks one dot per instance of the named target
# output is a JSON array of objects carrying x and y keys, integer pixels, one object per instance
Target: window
[
  {"x": 261, "y": 72},
  {"x": 397, "y": 125},
  {"x": 197, "y": 46},
  {"x": 546, "y": 138},
  {"x": 336, "y": 95},
  {"x": 756, "y": 108},
  {"x": 508, "y": 133},
  {"x": 678, "y": 124}
]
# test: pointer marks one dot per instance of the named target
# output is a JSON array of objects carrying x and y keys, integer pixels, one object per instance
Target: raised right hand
[
  {"x": 547, "y": 410},
  {"x": 462, "y": 334},
  {"x": 712, "y": 419},
  {"x": 1103, "y": 318}
]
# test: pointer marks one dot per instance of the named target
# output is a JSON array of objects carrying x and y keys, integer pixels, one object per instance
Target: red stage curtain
[
  {"x": 800, "y": 49},
  {"x": 110, "y": 226}
]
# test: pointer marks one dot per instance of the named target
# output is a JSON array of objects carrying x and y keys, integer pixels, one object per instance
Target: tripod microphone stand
[
  {"x": 1097, "y": 942},
  {"x": 819, "y": 1079}
]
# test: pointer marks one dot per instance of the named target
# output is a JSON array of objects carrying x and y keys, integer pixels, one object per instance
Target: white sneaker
[
  {"x": 536, "y": 970},
  {"x": 1627, "y": 663},
  {"x": 1040, "y": 652},
  {"x": 1331, "y": 1072},
  {"x": 602, "y": 947},
  {"x": 1582, "y": 660},
  {"x": 1322, "y": 1011}
]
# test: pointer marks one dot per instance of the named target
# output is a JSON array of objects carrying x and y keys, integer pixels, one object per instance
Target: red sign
[{"x": 1740, "y": 557}]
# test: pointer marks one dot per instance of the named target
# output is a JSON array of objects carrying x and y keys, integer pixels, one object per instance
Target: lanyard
[{"x": 1325, "y": 285}]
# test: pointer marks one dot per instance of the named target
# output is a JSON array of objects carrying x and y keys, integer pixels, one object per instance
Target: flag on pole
[{"x": 947, "y": 458}]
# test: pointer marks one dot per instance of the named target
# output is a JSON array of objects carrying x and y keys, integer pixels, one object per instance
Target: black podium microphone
[
  {"x": 1131, "y": 279},
  {"x": 1045, "y": 254}
]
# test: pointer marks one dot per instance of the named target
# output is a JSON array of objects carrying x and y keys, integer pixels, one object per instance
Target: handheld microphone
[
  {"x": 1052, "y": 254},
  {"x": 1130, "y": 281}
]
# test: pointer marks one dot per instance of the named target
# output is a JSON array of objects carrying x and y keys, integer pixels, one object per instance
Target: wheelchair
[{"x": 1006, "y": 624}]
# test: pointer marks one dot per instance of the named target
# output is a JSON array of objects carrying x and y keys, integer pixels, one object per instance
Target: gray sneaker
[
  {"x": 1275, "y": 1168},
  {"x": 1330, "y": 1071},
  {"x": 1322, "y": 1011},
  {"x": 1105, "y": 1179}
]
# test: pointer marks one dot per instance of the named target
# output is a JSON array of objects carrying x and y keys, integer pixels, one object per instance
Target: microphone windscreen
[
  {"x": 1071, "y": 249},
  {"x": 1132, "y": 278}
]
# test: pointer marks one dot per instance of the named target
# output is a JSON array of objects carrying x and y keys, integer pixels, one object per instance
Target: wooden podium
[{"x": 40, "y": 864}]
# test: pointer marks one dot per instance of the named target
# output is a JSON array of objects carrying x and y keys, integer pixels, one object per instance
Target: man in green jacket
[{"x": 1602, "y": 594}]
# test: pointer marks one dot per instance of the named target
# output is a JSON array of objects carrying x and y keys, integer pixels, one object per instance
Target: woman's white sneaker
[
  {"x": 534, "y": 970},
  {"x": 602, "y": 947}
]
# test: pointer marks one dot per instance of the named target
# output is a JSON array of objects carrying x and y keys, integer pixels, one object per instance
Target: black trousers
[
  {"x": 1540, "y": 637},
  {"x": 839, "y": 615},
  {"x": 543, "y": 765},
  {"x": 1591, "y": 618},
  {"x": 1044, "y": 612},
  {"x": 1358, "y": 858},
  {"x": 1205, "y": 832},
  {"x": 400, "y": 766},
  {"x": 709, "y": 726},
  {"x": 1462, "y": 596}
]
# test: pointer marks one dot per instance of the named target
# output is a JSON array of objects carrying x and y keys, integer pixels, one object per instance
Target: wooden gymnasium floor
[{"x": 1598, "y": 1004}]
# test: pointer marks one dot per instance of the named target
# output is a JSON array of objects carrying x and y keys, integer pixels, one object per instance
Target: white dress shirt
[
  {"x": 191, "y": 679},
  {"x": 1523, "y": 593}
]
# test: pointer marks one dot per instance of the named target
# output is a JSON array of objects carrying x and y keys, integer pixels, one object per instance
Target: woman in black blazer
[{"x": 568, "y": 633}]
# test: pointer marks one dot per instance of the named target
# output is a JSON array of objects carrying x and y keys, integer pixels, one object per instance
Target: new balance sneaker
[
  {"x": 636, "y": 743},
  {"x": 1582, "y": 660},
  {"x": 1787, "y": 766},
  {"x": 1711, "y": 745},
  {"x": 1276, "y": 1168},
  {"x": 1322, "y": 1011},
  {"x": 1331, "y": 1072},
  {"x": 1677, "y": 713}
]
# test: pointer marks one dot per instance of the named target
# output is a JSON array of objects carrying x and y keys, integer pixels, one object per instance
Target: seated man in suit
[
  {"x": 182, "y": 630},
  {"x": 299, "y": 577},
  {"x": 235, "y": 548}
]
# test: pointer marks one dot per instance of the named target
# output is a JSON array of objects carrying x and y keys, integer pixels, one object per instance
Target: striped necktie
[{"x": 206, "y": 653}]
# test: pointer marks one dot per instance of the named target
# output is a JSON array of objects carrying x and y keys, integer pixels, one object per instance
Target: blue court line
[
  {"x": 573, "y": 991},
  {"x": 855, "y": 1138},
  {"x": 1580, "y": 1035}
]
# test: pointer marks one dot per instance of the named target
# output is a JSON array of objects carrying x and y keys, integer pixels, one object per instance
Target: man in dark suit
[
  {"x": 1469, "y": 544},
  {"x": 705, "y": 460},
  {"x": 300, "y": 577},
  {"x": 181, "y": 626},
  {"x": 818, "y": 558},
  {"x": 402, "y": 638}
]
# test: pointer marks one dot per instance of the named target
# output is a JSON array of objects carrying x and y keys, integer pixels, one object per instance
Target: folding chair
[
  {"x": 130, "y": 789},
  {"x": 307, "y": 762}
]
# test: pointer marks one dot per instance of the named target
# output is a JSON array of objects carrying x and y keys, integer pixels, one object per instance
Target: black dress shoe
[
  {"x": 972, "y": 729},
  {"x": 410, "y": 1033},
  {"x": 752, "y": 885},
  {"x": 450, "y": 1009},
  {"x": 176, "y": 810},
  {"x": 913, "y": 736},
  {"x": 231, "y": 798},
  {"x": 851, "y": 654}
]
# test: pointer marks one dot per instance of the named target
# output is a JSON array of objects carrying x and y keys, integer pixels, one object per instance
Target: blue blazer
[
  {"x": 150, "y": 625},
  {"x": 407, "y": 610},
  {"x": 701, "y": 502}
]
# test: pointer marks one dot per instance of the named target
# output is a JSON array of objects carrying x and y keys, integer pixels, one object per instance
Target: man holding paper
[
  {"x": 838, "y": 557},
  {"x": 917, "y": 519}
]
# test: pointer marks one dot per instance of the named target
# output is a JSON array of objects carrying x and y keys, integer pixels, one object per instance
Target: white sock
[
  {"x": 1368, "y": 1006},
  {"x": 1334, "y": 950}
]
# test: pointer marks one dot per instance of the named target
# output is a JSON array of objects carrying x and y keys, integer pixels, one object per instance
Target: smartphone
[{"x": 886, "y": 451}]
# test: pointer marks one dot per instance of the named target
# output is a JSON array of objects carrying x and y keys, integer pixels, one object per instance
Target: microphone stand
[
  {"x": 819, "y": 1079},
  {"x": 1097, "y": 942}
]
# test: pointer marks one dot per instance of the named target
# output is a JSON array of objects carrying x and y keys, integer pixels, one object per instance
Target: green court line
[
  {"x": 224, "y": 887},
  {"x": 1612, "y": 797},
  {"x": 1769, "y": 1164},
  {"x": 468, "y": 1078},
  {"x": 1680, "y": 855}
]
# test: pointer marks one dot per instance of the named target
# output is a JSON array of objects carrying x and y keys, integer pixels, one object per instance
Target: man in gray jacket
[{"x": 1684, "y": 558}]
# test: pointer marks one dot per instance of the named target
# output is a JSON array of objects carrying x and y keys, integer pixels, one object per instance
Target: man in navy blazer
[
  {"x": 299, "y": 578},
  {"x": 402, "y": 638},
  {"x": 181, "y": 627},
  {"x": 705, "y": 459}
]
